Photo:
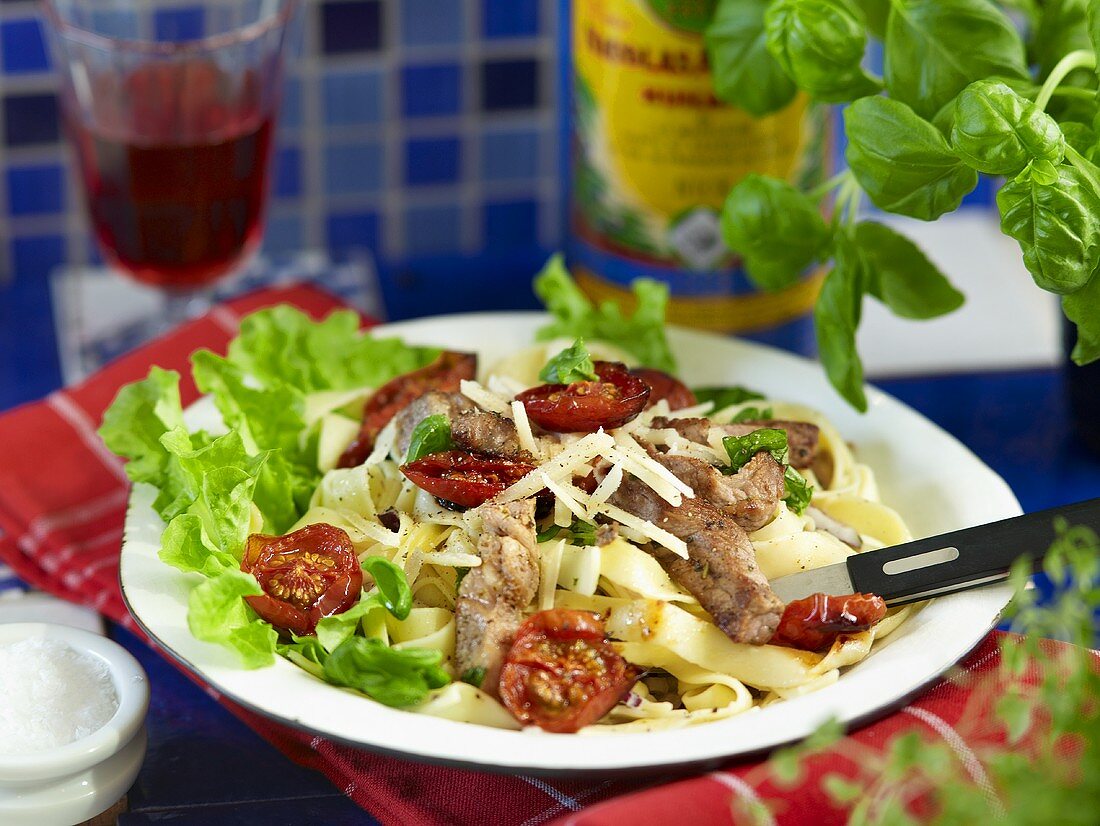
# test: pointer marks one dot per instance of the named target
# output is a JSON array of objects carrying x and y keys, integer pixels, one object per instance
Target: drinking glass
[{"x": 171, "y": 117}]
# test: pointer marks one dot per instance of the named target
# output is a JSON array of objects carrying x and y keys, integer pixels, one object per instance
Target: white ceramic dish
[
  {"x": 72, "y": 783},
  {"x": 932, "y": 479}
]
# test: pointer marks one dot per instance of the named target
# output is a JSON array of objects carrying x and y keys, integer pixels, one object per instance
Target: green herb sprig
[
  {"x": 773, "y": 441},
  {"x": 960, "y": 98}
]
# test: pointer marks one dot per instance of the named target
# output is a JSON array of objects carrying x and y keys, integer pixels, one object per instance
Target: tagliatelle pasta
[{"x": 694, "y": 673}]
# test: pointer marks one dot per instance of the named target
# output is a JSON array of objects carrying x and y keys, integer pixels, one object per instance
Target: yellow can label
[{"x": 655, "y": 153}]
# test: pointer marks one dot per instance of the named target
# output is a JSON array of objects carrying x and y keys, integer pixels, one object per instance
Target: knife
[{"x": 944, "y": 564}]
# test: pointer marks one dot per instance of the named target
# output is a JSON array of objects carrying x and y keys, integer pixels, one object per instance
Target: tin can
[{"x": 652, "y": 155}]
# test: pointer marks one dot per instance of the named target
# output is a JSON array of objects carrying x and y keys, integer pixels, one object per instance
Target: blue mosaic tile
[
  {"x": 288, "y": 172},
  {"x": 431, "y": 23},
  {"x": 431, "y": 90},
  {"x": 510, "y": 18},
  {"x": 290, "y": 108},
  {"x": 176, "y": 25},
  {"x": 348, "y": 230},
  {"x": 509, "y": 84},
  {"x": 116, "y": 23},
  {"x": 23, "y": 46},
  {"x": 510, "y": 155},
  {"x": 432, "y": 161},
  {"x": 27, "y": 298},
  {"x": 353, "y": 168},
  {"x": 283, "y": 233},
  {"x": 34, "y": 190},
  {"x": 432, "y": 230},
  {"x": 351, "y": 26},
  {"x": 353, "y": 98},
  {"x": 511, "y": 224},
  {"x": 31, "y": 119}
]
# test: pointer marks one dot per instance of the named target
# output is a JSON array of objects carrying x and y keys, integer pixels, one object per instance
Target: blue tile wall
[{"x": 425, "y": 131}]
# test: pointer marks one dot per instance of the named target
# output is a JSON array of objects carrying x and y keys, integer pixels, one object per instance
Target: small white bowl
[{"x": 75, "y": 782}]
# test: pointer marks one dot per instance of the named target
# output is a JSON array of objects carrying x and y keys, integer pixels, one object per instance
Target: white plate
[{"x": 936, "y": 484}]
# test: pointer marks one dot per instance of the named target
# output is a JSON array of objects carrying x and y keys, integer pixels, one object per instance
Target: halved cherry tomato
[
  {"x": 561, "y": 674},
  {"x": 305, "y": 575},
  {"x": 815, "y": 622},
  {"x": 663, "y": 386},
  {"x": 466, "y": 479},
  {"x": 444, "y": 374},
  {"x": 586, "y": 406}
]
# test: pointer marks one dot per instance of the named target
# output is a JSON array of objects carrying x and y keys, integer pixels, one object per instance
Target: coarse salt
[{"x": 51, "y": 695}]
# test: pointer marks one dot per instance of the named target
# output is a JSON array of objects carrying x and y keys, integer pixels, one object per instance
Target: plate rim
[{"x": 486, "y": 762}]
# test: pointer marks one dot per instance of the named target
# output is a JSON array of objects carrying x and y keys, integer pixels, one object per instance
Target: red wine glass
[{"x": 171, "y": 118}]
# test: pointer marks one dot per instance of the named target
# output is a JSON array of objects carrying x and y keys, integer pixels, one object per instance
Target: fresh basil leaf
[
  {"x": 217, "y": 613},
  {"x": 723, "y": 397},
  {"x": 777, "y": 230},
  {"x": 283, "y": 345},
  {"x": 820, "y": 45},
  {"x": 742, "y": 448},
  {"x": 799, "y": 491},
  {"x": 393, "y": 586},
  {"x": 474, "y": 676},
  {"x": 900, "y": 276},
  {"x": 1081, "y": 308},
  {"x": 902, "y": 161},
  {"x": 935, "y": 48},
  {"x": 745, "y": 73},
  {"x": 460, "y": 574},
  {"x": 334, "y": 629},
  {"x": 642, "y": 334},
  {"x": 546, "y": 535},
  {"x": 875, "y": 14},
  {"x": 432, "y": 434},
  {"x": 1057, "y": 227},
  {"x": 836, "y": 318},
  {"x": 752, "y": 414},
  {"x": 1062, "y": 28},
  {"x": 574, "y": 363},
  {"x": 393, "y": 677},
  {"x": 582, "y": 533},
  {"x": 1082, "y": 138},
  {"x": 998, "y": 132}
]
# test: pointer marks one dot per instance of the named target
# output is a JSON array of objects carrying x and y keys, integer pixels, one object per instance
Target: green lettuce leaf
[
  {"x": 641, "y": 334},
  {"x": 217, "y": 612},
  {"x": 395, "y": 677},
  {"x": 139, "y": 416},
  {"x": 282, "y": 344}
]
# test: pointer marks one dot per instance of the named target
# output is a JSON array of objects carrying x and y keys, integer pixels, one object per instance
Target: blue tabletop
[{"x": 206, "y": 767}]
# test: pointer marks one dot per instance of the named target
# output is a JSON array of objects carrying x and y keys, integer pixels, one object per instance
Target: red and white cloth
[{"x": 62, "y": 503}]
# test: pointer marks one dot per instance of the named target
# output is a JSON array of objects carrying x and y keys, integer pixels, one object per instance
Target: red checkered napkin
[{"x": 62, "y": 503}]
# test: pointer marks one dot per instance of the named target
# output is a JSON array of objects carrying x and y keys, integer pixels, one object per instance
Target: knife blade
[{"x": 943, "y": 564}]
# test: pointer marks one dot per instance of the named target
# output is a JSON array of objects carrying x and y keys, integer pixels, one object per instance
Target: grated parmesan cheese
[
  {"x": 647, "y": 529},
  {"x": 523, "y": 430},
  {"x": 568, "y": 495},
  {"x": 692, "y": 412},
  {"x": 550, "y": 554},
  {"x": 485, "y": 399},
  {"x": 560, "y": 467},
  {"x": 603, "y": 491},
  {"x": 505, "y": 385}
]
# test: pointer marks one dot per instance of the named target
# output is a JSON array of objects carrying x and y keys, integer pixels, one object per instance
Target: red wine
[{"x": 175, "y": 174}]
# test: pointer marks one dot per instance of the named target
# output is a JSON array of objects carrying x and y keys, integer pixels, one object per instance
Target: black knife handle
[{"x": 985, "y": 554}]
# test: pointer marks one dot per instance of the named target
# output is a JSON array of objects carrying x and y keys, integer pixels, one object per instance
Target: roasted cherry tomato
[
  {"x": 663, "y": 386},
  {"x": 466, "y": 479},
  {"x": 444, "y": 374},
  {"x": 305, "y": 575},
  {"x": 815, "y": 622},
  {"x": 586, "y": 406},
  {"x": 561, "y": 674}
]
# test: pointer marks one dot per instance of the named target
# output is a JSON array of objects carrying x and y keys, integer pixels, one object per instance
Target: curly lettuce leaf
[
  {"x": 642, "y": 334},
  {"x": 283, "y": 345},
  {"x": 139, "y": 416},
  {"x": 217, "y": 612}
]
